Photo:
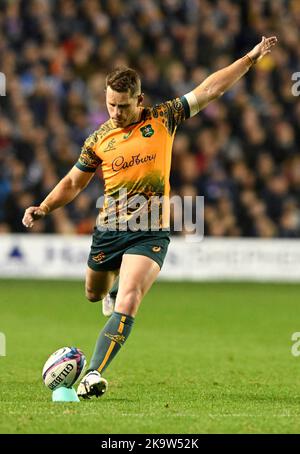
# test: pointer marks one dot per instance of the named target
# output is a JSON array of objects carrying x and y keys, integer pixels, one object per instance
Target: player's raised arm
[
  {"x": 63, "y": 193},
  {"x": 219, "y": 82}
]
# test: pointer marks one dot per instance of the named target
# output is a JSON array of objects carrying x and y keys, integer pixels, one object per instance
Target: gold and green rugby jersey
[{"x": 135, "y": 163}]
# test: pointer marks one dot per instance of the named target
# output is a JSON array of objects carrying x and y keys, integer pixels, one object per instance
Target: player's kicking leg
[
  {"x": 137, "y": 274},
  {"x": 97, "y": 284}
]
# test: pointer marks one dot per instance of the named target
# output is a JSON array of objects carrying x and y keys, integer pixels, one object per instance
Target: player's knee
[
  {"x": 93, "y": 296},
  {"x": 133, "y": 296},
  {"x": 130, "y": 301}
]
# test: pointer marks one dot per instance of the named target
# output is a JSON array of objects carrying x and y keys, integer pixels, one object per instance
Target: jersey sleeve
[
  {"x": 88, "y": 160},
  {"x": 172, "y": 113}
]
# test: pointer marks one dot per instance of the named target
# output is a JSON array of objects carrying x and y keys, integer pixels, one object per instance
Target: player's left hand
[{"x": 263, "y": 48}]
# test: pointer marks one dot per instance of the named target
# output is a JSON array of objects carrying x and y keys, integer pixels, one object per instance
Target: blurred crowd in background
[{"x": 242, "y": 152}]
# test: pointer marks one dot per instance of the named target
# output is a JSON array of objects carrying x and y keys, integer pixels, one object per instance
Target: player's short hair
[{"x": 124, "y": 79}]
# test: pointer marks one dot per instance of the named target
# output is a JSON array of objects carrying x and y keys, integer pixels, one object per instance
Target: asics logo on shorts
[{"x": 156, "y": 248}]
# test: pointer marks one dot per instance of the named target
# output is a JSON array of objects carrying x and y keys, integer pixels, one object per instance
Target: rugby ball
[{"x": 63, "y": 368}]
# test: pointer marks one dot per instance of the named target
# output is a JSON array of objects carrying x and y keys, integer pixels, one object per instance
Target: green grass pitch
[{"x": 202, "y": 358}]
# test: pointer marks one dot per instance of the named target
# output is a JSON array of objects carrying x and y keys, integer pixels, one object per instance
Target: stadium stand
[{"x": 242, "y": 152}]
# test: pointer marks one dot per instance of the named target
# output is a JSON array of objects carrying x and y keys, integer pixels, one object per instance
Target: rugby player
[{"x": 133, "y": 149}]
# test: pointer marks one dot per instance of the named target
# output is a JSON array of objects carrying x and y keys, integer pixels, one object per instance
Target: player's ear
[{"x": 141, "y": 99}]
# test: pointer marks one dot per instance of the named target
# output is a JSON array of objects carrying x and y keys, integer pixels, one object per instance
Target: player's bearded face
[{"x": 123, "y": 108}]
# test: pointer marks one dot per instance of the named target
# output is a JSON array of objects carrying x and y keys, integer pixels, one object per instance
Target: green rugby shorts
[{"x": 108, "y": 247}]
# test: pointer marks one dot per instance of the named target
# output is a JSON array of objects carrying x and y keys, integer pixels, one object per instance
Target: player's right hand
[{"x": 32, "y": 214}]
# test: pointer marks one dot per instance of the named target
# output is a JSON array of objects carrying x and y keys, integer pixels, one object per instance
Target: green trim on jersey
[
  {"x": 187, "y": 111},
  {"x": 84, "y": 168}
]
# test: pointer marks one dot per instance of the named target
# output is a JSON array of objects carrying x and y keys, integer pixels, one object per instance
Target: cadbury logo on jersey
[{"x": 120, "y": 164}]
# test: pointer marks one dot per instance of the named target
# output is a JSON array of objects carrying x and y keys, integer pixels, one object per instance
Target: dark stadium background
[{"x": 241, "y": 153}]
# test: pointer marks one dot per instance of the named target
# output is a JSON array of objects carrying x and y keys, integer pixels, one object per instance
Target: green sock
[
  {"x": 110, "y": 340},
  {"x": 114, "y": 290}
]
